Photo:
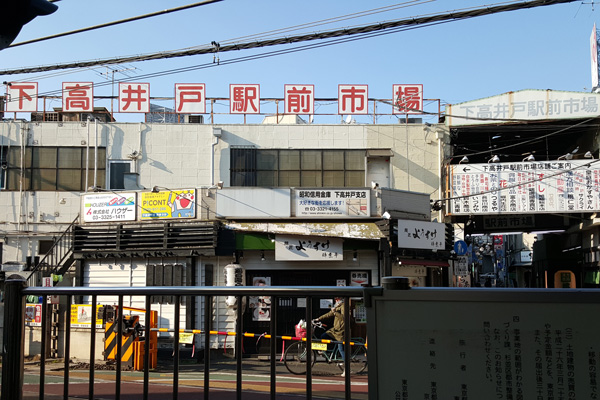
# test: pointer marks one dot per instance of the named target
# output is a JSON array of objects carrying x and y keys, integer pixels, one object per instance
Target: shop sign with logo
[
  {"x": 421, "y": 235},
  {"x": 105, "y": 207},
  {"x": 308, "y": 248}
]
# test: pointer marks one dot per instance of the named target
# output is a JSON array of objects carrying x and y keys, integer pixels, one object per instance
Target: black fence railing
[{"x": 14, "y": 331}]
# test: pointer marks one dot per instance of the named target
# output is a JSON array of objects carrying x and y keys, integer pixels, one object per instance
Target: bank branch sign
[
  {"x": 333, "y": 203},
  {"x": 525, "y": 187}
]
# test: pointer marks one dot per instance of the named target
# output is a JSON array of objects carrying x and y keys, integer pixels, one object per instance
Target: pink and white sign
[
  {"x": 22, "y": 97},
  {"x": 299, "y": 99},
  {"x": 408, "y": 99},
  {"x": 244, "y": 99},
  {"x": 190, "y": 98},
  {"x": 134, "y": 97},
  {"x": 353, "y": 99},
  {"x": 78, "y": 96}
]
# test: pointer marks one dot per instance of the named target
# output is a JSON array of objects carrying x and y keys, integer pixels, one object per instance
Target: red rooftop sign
[{"x": 190, "y": 98}]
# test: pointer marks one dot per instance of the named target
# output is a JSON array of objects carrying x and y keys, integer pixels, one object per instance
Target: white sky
[{"x": 542, "y": 48}]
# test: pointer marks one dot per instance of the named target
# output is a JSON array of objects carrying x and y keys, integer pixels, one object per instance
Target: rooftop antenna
[{"x": 112, "y": 72}]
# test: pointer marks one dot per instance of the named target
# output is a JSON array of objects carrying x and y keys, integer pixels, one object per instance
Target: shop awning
[{"x": 348, "y": 230}]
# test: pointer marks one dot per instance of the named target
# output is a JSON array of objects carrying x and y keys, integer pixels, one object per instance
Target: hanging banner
[{"x": 168, "y": 204}]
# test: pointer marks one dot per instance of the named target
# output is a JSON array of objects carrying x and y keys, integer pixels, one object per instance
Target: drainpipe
[
  {"x": 87, "y": 155},
  {"x": 216, "y": 134},
  {"x": 96, "y": 153}
]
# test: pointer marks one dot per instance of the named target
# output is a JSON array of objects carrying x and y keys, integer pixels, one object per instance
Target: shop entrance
[{"x": 289, "y": 309}]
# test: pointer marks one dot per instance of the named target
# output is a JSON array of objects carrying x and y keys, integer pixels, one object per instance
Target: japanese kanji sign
[
  {"x": 353, "y": 99},
  {"x": 134, "y": 97},
  {"x": 421, "y": 235},
  {"x": 244, "y": 99},
  {"x": 333, "y": 203},
  {"x": 190, "y": 98},
  {"x": 308, "y": 248},
  {"x": 78, "y": 96},
  {"x": 524, "y": 105},
  {"x": 299, "y": 99},
  {"x": 22, "y": 97},
  {"x": 408, "y": 99},
  {"x": 105, "y": 207},
  {"x": 525, "y": 187}
]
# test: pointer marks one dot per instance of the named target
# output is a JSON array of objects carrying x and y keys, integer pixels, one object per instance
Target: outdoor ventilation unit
[
  {"x": 195, "y": 119},
  {"x": 410, "y": 120}
]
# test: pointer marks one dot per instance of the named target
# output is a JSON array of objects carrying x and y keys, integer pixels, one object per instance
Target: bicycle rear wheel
[
  {"x": 358, "y": 361},
  {"x": 295, "y": 358}
]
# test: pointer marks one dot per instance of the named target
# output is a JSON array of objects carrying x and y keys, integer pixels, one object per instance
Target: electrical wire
[
  {"x": 122, "y": 21},
  {"x": 382, "y": 26}
]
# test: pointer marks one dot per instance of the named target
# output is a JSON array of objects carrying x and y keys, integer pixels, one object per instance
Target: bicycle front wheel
[
  {"x": 358, "y": 361},
  {"x": 296, "y": 357}
]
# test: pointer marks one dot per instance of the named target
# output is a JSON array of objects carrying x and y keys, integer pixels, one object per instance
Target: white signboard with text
[
  {"x": 333, "y": 203},
  {"x": 105, "y": 207},
  {"x": 524, "y": 105},
  {"x": 525, "y": 187},
  {"x": 421, "y": 235},
  {"x": 308, "y": 248}
]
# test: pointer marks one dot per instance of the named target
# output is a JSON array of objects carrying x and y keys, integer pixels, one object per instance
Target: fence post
[{"x": 13, "y": 338}]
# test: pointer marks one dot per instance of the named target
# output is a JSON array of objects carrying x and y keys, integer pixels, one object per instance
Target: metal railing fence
[{"x": 16, "y": 292}]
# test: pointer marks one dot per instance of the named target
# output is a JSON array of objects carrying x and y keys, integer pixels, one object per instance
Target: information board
[
  {"x": 525, "y": 187},
  {"x": 481, "y": 343},
  {"x": 333, "y": 203}
]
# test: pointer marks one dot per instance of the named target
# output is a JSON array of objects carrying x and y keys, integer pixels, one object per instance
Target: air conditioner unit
[{"x": 194, "y": 119}]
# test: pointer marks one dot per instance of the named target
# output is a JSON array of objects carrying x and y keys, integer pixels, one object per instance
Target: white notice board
[{"x": 481, "y": 343}]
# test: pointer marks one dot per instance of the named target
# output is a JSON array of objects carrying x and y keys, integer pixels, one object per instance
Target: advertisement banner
[
  {"x": 308, "y": 248},
  {"x": 104, "y": 207},
  {"x": 260, "y": 305},
  {"x": 33, "y": 314},
  {"x": 81, "y": 316},
  {"x": 333, "y": 203},
  {"x": 168, "y": 204}
]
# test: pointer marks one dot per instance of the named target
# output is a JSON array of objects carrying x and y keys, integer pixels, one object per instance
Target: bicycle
[{"x": 296, "y": 354}]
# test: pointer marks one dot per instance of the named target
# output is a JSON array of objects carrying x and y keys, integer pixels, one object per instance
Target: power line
[
  {"x": 382, "y": 26},
  {"x": 122, "y": 21}
]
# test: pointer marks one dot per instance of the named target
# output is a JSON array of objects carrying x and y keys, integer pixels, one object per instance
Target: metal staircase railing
[{"x": 59, "y": 258}]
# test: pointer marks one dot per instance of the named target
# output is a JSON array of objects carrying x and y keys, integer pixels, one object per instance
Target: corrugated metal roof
[{"x": 349, "y": 230}]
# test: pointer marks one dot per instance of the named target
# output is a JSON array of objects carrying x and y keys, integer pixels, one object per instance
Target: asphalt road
[{"x": 326, "y": 382}]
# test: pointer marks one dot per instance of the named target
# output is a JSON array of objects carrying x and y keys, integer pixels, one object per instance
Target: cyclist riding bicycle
[{"x": 337, "y": 331}]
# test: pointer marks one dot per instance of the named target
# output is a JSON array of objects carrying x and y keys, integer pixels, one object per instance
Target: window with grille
[
  {"x": 297, "y": 168},
  {"x": 52, "y": 168}
]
